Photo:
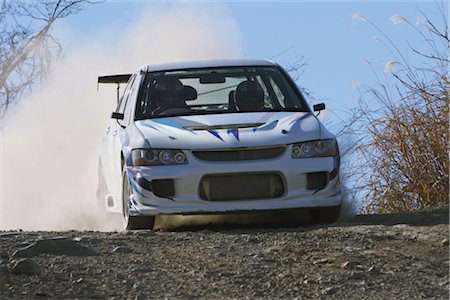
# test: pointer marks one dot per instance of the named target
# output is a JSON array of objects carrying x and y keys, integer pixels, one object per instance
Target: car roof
[{"x": 194, "y": 64}]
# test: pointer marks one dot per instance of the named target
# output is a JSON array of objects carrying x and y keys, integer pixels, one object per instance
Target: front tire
[
  {"x": 325, "y": 215},
  {"x": 132, "y": 222}
]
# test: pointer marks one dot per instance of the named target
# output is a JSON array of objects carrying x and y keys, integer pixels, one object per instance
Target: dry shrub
[{"x": 401, "y": 162}]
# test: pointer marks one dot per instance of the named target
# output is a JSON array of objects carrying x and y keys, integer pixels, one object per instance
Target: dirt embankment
[{"x": 398, "y": 256}]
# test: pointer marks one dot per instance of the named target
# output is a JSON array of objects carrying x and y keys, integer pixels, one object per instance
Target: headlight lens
[
  {"x": 157, "y": 157},
  {"x": 319, "y": 148}
]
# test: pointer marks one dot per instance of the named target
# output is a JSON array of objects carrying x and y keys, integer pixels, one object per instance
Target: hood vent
[{"x": 224, "y": 126}]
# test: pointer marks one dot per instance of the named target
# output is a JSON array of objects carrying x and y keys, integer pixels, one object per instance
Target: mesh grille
[{"x": 247, "y": 186}]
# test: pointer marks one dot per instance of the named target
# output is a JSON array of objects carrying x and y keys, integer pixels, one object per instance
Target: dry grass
[{"x": 401, "y": 163}]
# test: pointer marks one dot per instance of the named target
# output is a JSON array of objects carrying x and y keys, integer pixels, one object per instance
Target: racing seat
[
  {"x": 169, "y": 94},
  {"x": 249, "y": 96},
  {"x": 231, "y": 104}
]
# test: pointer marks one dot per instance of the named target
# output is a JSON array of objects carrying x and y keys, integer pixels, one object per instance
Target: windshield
[{"x": 216, "y": 90}]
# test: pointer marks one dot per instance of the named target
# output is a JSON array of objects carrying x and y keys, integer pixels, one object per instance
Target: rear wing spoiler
[{"x": 117, "y": 79}]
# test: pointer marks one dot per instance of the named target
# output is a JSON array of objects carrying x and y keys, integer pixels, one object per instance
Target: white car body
[{"x": 227, "y": 133}]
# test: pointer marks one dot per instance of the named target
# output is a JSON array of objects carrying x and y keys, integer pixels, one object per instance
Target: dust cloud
[{"x": 49, "y": 142}]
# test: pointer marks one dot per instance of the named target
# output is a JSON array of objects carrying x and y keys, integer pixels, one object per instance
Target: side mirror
[
  {"x": 116, "y": 115},
  {"x": 319, "y": 107}
]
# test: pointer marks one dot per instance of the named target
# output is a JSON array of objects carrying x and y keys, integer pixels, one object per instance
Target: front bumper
[{"x": 187, "y": 178}]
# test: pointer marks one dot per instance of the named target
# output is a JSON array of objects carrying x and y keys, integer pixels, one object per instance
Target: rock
[
  {"x": 350, "y": 265},
  {"x": 122, "y": 249},
  {"x": 258, "y": 255},
  {"x": 325, "y": 281},
  {"x": 79, "y": 280},
  {"x": 55, "y": 246},
  {"x": 321, "y": 261},
  {"x": 272, "y": 249},
  {"x": 444, "y": 242},
  {"x": 329, "y": 290},
  {"x": 373, "y": 270},
  {"x": 86, "y": 240},
  {"x": 25, "y": 266},
  {"x": 356, "y": 275}
]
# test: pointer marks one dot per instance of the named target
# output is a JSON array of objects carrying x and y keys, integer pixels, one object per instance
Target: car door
[{"x": 114, "y": 139}]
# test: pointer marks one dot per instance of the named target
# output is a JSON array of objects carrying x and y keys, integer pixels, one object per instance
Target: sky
[{"x": 322, "y": 34}]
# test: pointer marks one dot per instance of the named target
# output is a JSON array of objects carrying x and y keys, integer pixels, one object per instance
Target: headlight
[
  {"x": 157, "y": 157},
  {"x": 319, "y": 148}
]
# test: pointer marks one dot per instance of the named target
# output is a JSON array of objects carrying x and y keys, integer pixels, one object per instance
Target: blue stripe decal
[
  {"x": 128, "y": 159},
  {"x": 144, "y": 183},
  {"x": 235, "y": 132},
  {"x": 134, "y": 187},
  {"x": 187, "y": 122},
  {"x": 334, "y": 172},
  {"x": 216, "y": 134},
  {"x": 149, "y": 125},
  {"x": 176, "y": 123},
  {"x": 169, "y": 122}
]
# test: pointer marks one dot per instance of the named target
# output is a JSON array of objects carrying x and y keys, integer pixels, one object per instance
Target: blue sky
[{"x": 334, "y": 46}]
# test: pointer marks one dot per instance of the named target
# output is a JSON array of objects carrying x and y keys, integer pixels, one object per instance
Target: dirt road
[{"x": 397, "y": 256}]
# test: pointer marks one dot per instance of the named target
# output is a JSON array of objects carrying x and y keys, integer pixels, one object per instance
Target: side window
[
  {"x": 131, "y": 95},
  {"x": 123, "y": 100}
]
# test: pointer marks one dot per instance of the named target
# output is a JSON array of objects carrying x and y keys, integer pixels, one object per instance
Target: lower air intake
[
  {"x": 243, "y": 186},
  {"x": 163, "y": 187},
  {"x": 316, "y": 180}
]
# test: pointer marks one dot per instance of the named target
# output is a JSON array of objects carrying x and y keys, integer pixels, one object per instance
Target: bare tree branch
[{"x": 27, "y": 46}]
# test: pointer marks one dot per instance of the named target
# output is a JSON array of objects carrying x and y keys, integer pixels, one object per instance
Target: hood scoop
[{"x": 224, "y": 126}]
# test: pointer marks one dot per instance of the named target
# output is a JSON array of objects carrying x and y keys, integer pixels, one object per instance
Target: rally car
[{"x": 215, "y": 136}]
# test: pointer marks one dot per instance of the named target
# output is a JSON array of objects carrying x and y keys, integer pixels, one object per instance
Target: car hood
[{"x": 233, "y": 130}]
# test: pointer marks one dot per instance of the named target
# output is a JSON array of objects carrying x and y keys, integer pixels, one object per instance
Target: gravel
[
  {"x": 397, "y": 256},
  {"x": 25, "y": 266}
]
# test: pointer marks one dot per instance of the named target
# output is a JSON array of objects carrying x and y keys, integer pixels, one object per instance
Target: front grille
[
  {"x": 243, "y": 186},
  {"x": 239, "y": 154}
]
